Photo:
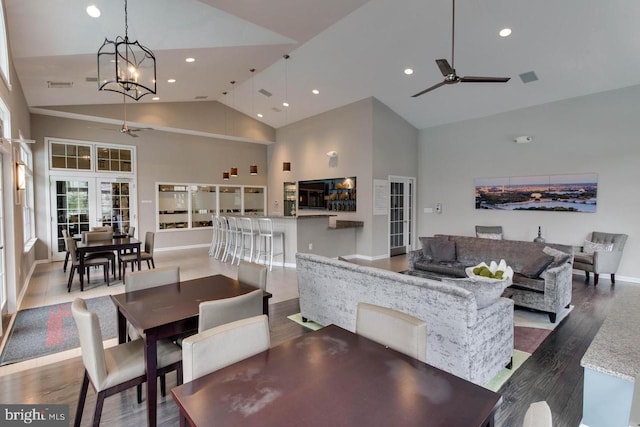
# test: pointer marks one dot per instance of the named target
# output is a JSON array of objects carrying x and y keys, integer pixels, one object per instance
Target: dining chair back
[
  {"x": 224, "y": 345},
  {"x": 94, "y": 261},
  {"x": 397, "y": 330},
  {"x": 117, "y": 368},
  {"x": 96, "y": 236},
  {"x": 131, "y": 231},
  {"x": 253, "y": 274},
  {"x": 139, "y": 280},
  {"x": 218, "y": 312},
  {"x": 102, "y": 228},
  {"x": 132, "y": 258}
]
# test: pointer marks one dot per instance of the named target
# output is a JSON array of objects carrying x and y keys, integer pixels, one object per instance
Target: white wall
[{"x": 597, "y": 133}]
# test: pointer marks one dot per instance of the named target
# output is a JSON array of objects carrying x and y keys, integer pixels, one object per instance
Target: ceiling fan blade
[
  {"x": 428, "y": 89},
  {"x": 474, "y": 79},
  {"x": 130, "y": 133},
  {"x": 445, "y": 68}
]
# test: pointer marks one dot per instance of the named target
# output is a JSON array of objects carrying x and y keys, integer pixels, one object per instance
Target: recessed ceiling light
[
  {"x": 155, "y": 98},
  {"x": 285, "y": 104},
  {"x": 315, "y": 92},
  {"x": 259, "y": 115},
  {"x": 505, "y": 32},
  {"x": 171, "y": 80},
  {"x": 93, "y": 11},
  {"x": 190, "y": 60},
  {"x": 408, "y": 71}
]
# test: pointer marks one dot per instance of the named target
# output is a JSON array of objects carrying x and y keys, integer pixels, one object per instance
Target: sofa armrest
[
  {"x": 606, "y": 261},
  {"x": 415, "y": 256},
  {"x": 557, "y": 286}
]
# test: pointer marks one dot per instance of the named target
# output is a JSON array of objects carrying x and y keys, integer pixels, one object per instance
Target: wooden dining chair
[
  {"x": 253, "y": 274},
  {"x": 117, "y": 368},
  {"x": 218, "y": 312},
  {"x": 100, "y": 236},
  {"x": 146, "y": 254},
  {"x": 394, "y": 329},
  {"x": 88, "y": 263},
  {"x": 224, "y": 345}
]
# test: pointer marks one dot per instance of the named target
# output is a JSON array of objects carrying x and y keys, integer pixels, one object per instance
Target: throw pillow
[
  {"x": 426, "y": 247},
  {"x": 443, "y": 250},
  {"x": 492, "y": 236},
  {"x": 591, "y": 247},
  {"x": 534, "y": 266},
  {"x": 559, "y": 257},
  {"x": 486, "y": 293}
]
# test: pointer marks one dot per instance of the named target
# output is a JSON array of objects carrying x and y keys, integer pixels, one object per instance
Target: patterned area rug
[
  {"x": 531, "y": 329},
  {"x": 46, "y": 330}
]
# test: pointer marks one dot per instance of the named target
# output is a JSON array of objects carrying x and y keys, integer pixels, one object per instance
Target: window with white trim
[
  {"x": 28, "y": 211},
  {"x": 4, "y": 49}
]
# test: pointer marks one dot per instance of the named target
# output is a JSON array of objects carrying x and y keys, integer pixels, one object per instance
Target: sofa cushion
[
  {"x": 453, "y": 269},
  {"x": 443, "y": 250},
  {"x": 536, "y": 265},
  {"x": 591, "y": 247},
  {"x": 524, "y": 282},
  {"x": 426, "y": 245},
  {"x": 559, "y": 257},
  {"x": 486, "y": 293}
]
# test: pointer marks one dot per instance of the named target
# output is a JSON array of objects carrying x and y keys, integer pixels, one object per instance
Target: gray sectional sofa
[
  {"x": 542, "y": 272},
  {"x": 466, "y": 341}
]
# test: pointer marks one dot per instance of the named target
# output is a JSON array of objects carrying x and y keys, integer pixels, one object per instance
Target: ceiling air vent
[
  {"x": 277, "y": 110},
  {"x": 265, "y": 92},
  {"x": 90, "y": 79},
  {"x": 201, "y": 97},
  {"x": 528, "y": 77},
  {"x": 60, "y": 85}
]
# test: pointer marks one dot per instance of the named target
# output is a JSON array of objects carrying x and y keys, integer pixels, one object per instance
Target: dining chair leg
[
  {"x": 98, "y": 412},
  {"x": 66, "y": 262},
  {"x": 71, "y": 274},
  {"x": 163, "y": 385},
  {"x": 81, "y": 399},
  {"x": 139, "y": 393}
]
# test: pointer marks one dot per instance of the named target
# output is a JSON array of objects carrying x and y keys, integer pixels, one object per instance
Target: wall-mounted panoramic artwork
[{"x": 556, "y": 193}]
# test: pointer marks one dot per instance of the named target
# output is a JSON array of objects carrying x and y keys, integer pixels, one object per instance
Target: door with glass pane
[
  {"x": 71, "y": 201},
  {"x": 400, "y": 215},
  {"x": 115, "y": 204}
]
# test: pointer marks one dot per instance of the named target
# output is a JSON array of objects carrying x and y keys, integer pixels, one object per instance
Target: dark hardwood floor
[{"x": 553, "y": 373}]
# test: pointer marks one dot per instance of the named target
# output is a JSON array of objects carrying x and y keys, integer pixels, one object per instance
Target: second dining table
[
  {"x": 170, "y": 310},
  {"x": 118, "y": 244}
]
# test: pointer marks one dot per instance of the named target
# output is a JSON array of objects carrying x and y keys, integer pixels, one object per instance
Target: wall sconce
[
  {"x": 225, "y": 176},
  {"x": 234, "y": 172},
  {"x": 286, "y": 166},
  {"x": 253, "y": 169},
  {"x": 21, "y": 178}
]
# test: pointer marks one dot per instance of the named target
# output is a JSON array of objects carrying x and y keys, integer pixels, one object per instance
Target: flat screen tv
[{"x": 311, "y": 194}]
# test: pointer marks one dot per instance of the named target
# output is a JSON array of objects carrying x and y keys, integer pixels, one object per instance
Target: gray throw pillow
[
  {"x": 559, "y": 257},
  {"x": 534, "y": 266},
  {"x": 486, "y": 293},
  {"x": 443, "y": 250}
]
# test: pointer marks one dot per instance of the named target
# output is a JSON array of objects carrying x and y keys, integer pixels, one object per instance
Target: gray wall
[
  {"x": 371, "y": 141},
  {"x": 597, "y": 133},
  {"x": 161, "y": 157}
]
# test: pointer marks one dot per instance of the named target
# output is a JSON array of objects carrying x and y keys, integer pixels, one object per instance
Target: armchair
[{"x": 600, "y": 261}]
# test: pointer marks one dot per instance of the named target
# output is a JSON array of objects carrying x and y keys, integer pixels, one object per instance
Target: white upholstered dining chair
[
  {"x": 538, "y": 415},
  {"x": 218, "y": 312},
  {"x": 224, "y": 345},
  {"x": 394, "y": 329},
  {"x": 253, "y": 274}
]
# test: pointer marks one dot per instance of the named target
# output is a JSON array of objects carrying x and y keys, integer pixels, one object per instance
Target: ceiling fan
[
  {"x": 126, "y": 129},
  {"x": 449, "y": 72}
]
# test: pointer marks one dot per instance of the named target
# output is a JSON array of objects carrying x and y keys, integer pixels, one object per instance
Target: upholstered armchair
[{"x": 600, "y": 254}]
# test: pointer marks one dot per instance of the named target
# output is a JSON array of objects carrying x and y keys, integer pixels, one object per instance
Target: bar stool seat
[{"x": 266, "y": 237}]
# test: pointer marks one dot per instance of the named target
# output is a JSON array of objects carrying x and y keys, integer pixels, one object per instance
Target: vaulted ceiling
[{"x": 346, "y": 49}]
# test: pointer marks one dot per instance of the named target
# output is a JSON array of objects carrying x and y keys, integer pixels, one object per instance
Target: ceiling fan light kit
[{"x": 449, "y": 72}]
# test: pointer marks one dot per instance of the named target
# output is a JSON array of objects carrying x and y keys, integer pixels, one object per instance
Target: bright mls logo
[{"x": 34, "y": 415}]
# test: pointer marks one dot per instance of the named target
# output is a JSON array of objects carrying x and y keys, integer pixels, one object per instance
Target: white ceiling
[{"x": 348, "y": 49}]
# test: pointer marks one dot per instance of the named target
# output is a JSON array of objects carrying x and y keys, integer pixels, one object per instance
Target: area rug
[
  {"x": 46, "y": 330},
  {"x": 531, "y": 329}
]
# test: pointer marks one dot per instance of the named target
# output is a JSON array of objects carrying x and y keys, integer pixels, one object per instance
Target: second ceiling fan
[{"x": 449, "y": 72}]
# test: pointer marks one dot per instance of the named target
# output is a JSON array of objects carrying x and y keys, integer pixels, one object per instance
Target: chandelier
[{"x": 126, "y": 67}]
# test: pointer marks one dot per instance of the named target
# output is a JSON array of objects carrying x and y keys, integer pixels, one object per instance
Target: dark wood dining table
[
  {"x": 116, "y": 244},
  {"x": 333, "y": 377},
  {"x": 170, "y": 310}
]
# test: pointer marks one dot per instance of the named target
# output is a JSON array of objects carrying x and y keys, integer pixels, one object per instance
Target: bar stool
[
  {"x": 221, "y": 242},
  {"x": 233, "y": 239},
  {"x": 248, "y": 234},
  {"x": 266, "y": 235},
  {"x": 214, "y": 235}
]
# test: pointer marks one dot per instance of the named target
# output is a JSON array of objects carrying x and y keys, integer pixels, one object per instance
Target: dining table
[
  {"x": 171, "y": 310},
  {"x": 119, "y": 244},
  {"x": 334, "y": 377}
]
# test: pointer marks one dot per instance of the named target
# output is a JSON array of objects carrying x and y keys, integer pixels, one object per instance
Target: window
[
  {"x": 114, "y": 159},
  {"x": 70, "y": 156},
  {"x": 4, "y": 50}
]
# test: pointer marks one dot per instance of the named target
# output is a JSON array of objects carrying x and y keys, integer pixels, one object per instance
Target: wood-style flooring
[{"x": 552, "y": 373}]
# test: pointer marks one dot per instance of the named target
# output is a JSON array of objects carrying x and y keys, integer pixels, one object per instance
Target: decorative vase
[{"x": 539, "y": 239}]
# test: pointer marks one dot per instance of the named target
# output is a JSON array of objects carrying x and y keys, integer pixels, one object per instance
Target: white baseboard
[{"x": 180, "y": 248}]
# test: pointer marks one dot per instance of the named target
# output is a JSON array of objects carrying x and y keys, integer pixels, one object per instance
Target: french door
[
  {"x": 81, "y": 202},
  {"x": 401, "y": 214}
]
